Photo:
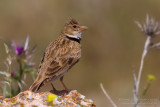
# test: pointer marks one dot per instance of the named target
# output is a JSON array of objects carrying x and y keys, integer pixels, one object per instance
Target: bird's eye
[{"x": 75, "y": 26}]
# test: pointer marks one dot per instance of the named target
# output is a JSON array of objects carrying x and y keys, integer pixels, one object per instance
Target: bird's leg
[
  {"x": 54, "y": 89},
  {"x": 57, "y": 92},
  {"x": 61, "y": 80}
]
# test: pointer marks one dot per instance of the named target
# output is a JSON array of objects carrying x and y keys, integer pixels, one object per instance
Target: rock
[{"x": 31, "y": 99}]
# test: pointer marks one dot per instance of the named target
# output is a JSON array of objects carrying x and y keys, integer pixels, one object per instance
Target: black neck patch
[{"x": 74, "y": 39}]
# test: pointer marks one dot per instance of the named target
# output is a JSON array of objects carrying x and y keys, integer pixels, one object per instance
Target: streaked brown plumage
[{"x": 60, "y": 55}]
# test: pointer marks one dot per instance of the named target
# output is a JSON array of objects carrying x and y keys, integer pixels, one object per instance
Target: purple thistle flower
[
  {"x": 20, "y": 50},
  {"x": 26, "y": 43},
  {"x": 12, "y": 74}
]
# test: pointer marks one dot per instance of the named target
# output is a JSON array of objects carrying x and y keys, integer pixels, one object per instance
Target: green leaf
[
  {"x": 6, "y": 48},
  {"x": 23, "y": 82},
  {"x": 5, "y": 73},
  {"x": 9, "y": 60},
  {"x": 4, "y": 90},
  {"x": 6, "y": 82},
  {"x": 20, "y": 86}
]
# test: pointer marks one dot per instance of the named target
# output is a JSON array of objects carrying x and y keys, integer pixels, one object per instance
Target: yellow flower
[
  {"x": 151, "y": 77},
  {"x": 51, "y": 97}
]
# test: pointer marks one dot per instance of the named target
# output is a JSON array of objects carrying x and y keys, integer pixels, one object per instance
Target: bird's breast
[{"x": 75, "y": 49}]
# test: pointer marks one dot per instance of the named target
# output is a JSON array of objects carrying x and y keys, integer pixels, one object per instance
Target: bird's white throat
[{"x": 75, "y": 35}]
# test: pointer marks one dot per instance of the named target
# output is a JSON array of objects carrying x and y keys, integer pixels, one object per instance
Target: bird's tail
[{"x": 37, "y": 84}]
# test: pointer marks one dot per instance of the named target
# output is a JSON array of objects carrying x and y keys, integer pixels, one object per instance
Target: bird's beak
[{"x": 82, "y": 28}]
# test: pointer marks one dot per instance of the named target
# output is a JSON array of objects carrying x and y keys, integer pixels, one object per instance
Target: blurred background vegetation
[{"x": 111, "y": 47}]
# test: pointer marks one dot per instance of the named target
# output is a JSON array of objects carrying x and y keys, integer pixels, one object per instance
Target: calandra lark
[{"x": 60, "y": 56}]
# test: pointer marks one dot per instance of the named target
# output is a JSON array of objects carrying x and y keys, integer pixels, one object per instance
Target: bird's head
[{"x": 73, "y": 29}]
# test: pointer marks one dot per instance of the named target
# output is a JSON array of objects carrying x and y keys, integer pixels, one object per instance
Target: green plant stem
[
  {"x": 144, "y": 92},
  {"x": 4, "y": 90},
  {"x": 145, "y": 89},
  {"x": 20, "y": 68},
  {"x": 20, "y": 71}
]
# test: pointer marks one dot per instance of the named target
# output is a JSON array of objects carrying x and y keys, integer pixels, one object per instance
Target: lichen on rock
[{"x": 31, "y": 99}]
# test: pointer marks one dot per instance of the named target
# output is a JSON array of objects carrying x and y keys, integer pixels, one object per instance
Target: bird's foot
[
  {"x": 60, "y": 92},
  {"x": 68, "y": 90}
]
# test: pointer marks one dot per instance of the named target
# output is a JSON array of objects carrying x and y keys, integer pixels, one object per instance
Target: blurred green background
[{"x": 111, "y": 47}]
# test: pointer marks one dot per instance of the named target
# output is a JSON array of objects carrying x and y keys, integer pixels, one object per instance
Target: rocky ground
[{"x": 31, "y": 99}]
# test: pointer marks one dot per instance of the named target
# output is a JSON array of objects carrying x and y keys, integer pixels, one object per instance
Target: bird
[{"x": 60, "y": 56}]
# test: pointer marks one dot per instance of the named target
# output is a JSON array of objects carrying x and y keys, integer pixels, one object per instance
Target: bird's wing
[
  {"x": 57, "y": 59},
  {"x": 51, "y": 54},
  {"x": 59, "y": 65},
  {"x": 41, "y": 63}
]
